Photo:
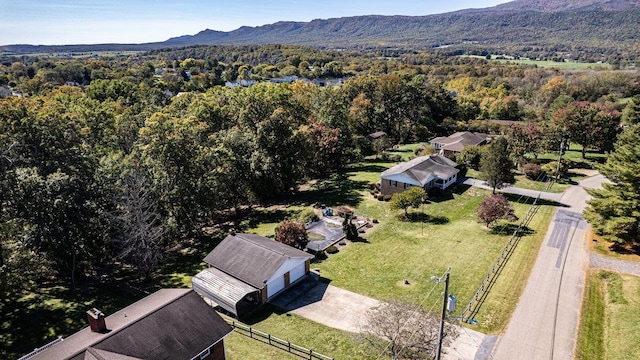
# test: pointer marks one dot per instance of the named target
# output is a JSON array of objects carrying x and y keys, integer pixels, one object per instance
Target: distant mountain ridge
[
  {"x": 571, "y": 5},
  {"x": 593, "y": 26}
]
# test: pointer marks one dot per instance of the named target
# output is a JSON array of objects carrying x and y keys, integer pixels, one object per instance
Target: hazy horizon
[{"x": 65, "y": 22}]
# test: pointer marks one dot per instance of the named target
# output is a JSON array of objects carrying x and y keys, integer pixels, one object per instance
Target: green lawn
[
  {"x": 609, "y": 328},
  {"x": 568, "y": 65},
  {"x": 300, "y": 331},
  {"x": 39, "y": 317}
]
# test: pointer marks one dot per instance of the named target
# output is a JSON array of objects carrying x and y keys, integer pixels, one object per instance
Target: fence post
[
  {"x": 310, "y": 354},
  {"x": 289, "y": 347},
  {"x": 269, "y": 337},
  {"x": 251, "y": 332}
]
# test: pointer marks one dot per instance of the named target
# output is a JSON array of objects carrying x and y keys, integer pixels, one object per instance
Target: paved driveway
[
  {"x": 346, "y": 310},
  {"x": 326, "y": 304}
]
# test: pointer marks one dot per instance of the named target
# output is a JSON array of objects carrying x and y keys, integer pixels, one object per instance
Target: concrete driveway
[
  {"x": 346, "y": 310},
  {"x": 326, "y": 304}
]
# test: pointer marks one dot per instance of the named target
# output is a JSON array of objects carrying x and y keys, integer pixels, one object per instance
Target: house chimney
[{"x": 96, "y": 320}]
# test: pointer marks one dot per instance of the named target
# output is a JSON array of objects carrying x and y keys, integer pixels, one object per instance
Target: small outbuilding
[{"x": 247, "y": 270}]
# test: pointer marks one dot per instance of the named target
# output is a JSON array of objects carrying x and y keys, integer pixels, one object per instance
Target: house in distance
[
  {"x": 454, "y": 143},
  {"x": 426, "y": 172}
]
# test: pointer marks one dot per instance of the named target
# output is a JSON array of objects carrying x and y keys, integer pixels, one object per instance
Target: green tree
[
  {"x": 412, "y": 197},
  {"x": 588, "y": 124},
  {"x": 631, "y": 111},
  {"x": 614, "y": 211},
  {"x": 496, "y": 164}
]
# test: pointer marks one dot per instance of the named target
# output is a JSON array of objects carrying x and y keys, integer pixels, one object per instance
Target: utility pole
[
  {"x": 562, "y": 145},
  {"x": 444, "y": 312}
]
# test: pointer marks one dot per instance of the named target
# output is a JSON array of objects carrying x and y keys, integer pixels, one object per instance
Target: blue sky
[{"x": 50, "y": 22}]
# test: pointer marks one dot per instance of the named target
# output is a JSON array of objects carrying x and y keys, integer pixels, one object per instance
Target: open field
[
  {"x": 609, "y": 328},
  {"x": 447, "y": 234},
  {"x": 567, "y": 65}
]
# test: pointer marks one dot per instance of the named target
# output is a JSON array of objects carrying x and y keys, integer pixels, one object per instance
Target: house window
[
  {"x": 394, "y": 183},
  {"x": 406, "y": 186},
  {"x": 205, "y": 353}
]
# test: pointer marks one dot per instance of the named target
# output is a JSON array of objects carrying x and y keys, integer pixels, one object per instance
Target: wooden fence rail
[{"x": 276, "y": 342}]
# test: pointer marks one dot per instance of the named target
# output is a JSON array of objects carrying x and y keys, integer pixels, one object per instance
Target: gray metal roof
[
  {"x": 420, "y": 168},
  {"x": 224, "y": 289},
  {"x": 252, "y": 258},
  {"x": 168, "y": 324}
]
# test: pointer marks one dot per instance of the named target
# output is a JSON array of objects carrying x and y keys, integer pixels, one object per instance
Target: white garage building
[{"x": 247, "y": 270}]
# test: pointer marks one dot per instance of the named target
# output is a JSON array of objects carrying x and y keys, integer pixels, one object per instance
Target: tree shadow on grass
[
  {"x": 336, "y": 190},
  {"x": 508, "y": 229},
  {"x": 34, "y": 318},
  {"x": 521, "y": 199},
  {"x": 418, "y": 217},
  {"x": 625, "y": 249},
  {"x": 261, "y": 216}
]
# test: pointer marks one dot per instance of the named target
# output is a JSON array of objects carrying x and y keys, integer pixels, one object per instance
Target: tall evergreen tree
[
  {"x": 495, "y": 164},
  {"x": 614, "y": 211}
]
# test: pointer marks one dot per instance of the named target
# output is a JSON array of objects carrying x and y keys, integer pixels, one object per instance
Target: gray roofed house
[
  {"x": 168, "y": 324},
  {"x": 247, "y": 270},
  {"x": 454, "y": 143},
  {"x": 425, "y": 171}
]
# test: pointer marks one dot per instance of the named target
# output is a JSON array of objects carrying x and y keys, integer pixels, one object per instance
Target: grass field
[
  {"x": 448, "y": 235},
  {"x": 300, "y": 331},
  {"x": 609, "y": 328},
  {"x": 567, "y": 65}
]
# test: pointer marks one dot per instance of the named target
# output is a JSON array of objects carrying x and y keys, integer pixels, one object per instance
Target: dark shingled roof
[
  {"x": 168, "y": 324},
  {"x": 420, "y": 168},
  {"x": 251, "y": 258},
  {"x": 459, "y": 140}
]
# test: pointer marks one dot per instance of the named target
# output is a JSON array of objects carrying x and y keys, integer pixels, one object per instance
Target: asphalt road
[{"x": 545, "y": 322}]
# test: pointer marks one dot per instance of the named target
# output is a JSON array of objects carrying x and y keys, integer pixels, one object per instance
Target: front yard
[
  {"x": 609, "y": 328},
  {"x": 448, "y": 235}
]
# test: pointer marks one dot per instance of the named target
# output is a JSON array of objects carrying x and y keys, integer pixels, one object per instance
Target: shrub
[
  {"x": 387, "y": 197},
  {"x": 307, "y": 215},
  {"x": 390, "y": 157},
  {"x": 532, "y": 171},
  {"x": 375, "y": 221},
  {"x": 344, "y": 211},
  {"x": 380, "y": 197},
  {"x": 331, "y": 250},
  {"x": 550, "y": 168}
]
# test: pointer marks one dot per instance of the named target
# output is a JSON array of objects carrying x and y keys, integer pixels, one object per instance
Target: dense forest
[{"x": 99, "y": 152}]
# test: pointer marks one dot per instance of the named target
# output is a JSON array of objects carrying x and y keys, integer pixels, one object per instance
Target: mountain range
[{"x": 592, "y": 26}]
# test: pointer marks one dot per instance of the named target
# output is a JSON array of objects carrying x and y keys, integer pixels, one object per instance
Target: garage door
[
  {"x": 297, "y": 272},
  {"x": 275, "y": 285}
]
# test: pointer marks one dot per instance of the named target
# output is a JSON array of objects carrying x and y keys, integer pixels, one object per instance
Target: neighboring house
[
  {"x": 425, "y": 171},
  {"x": 168, "y": 324},
  {"x": 247, "y": 270},
  {"x": 454, "y": 143}
]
